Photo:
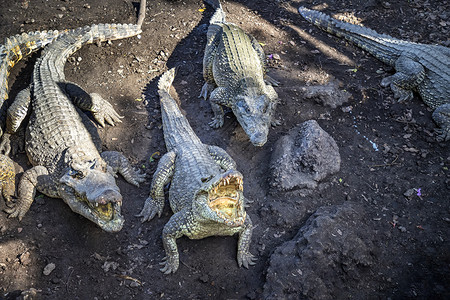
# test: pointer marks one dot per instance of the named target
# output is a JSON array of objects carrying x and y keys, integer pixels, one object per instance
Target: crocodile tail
[
  {"x": 382, "y": 46},
  {"x": 166, "y": 80},
  {"x": 18, "y": 47},
  {"x": 14, "y": 49},
  {"x": 74, "y": 39},
  {"x": 219, "y": 16}
]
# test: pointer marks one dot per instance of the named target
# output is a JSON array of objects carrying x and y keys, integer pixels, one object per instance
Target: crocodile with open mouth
[
  {"x": 206, "y": 191},
  {"x": 61, "y": 142}
]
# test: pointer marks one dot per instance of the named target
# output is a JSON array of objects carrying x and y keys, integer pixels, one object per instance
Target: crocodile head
[
  {"x": 220, "y": 199},
  {"x": 90, "y": 189},
  {"x": 254, "y": 112}
]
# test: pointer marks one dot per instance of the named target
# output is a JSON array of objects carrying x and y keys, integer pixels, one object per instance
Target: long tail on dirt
[
  {"x": 382, "y": 46},
  {"x": 175, "y": 125}
]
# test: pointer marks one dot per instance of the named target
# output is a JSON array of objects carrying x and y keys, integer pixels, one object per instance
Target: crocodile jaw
[
  {"x": 94, "y": 196},
  {"x": 225, "y": 198}
]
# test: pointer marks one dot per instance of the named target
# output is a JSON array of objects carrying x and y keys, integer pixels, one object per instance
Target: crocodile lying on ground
[
  {"x": 7, "y": 179},
  {"x": 234, "y": 68},
  {"x": 419, "y": 67},
  {"x": 206, "y": 191},
  {"x": 59, "y": 142},
  {"x": 12, "y": 51}
]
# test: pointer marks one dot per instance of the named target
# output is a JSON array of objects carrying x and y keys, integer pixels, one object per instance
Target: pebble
[{"x": 48, "y": 269}]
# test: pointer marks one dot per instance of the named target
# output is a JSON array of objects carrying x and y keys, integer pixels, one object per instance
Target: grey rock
[
  {"x": 325, "y": 260},
  {"x": 303, "y": 158}
]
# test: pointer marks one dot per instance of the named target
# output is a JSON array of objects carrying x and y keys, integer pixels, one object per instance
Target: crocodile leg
[
  {"x": 244, "y": 257},
  {"x": 441, "y": 116},
  {"x": 36, "y": 178},
  {"x": 222, "y": 158},
  {"x": 15, "y": 115},
  {"x": 154, "y": 204},
  {"x": 121, "y": 165},
  {"x": 408, "y": 76},
  {"x": 101, "y": 109},
  {"x": 219, "y": 97},
  {"x": 174, "y": 229}
]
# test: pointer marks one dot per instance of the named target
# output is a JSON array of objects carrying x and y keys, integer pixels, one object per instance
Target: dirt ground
[{"x": 387, "y": 149}]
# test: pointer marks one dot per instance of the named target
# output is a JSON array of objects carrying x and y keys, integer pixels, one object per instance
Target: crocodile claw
[
  {"x": 216, "y": 122},
  {"x": 151, "y": 208},
  {"x": 106, "y": 112},
  {"x": 15, "y": 211},
  {"x": 170, "y": 265},
  {"x": 246, "y": 259},
  {"x": 136, "y": 177}
]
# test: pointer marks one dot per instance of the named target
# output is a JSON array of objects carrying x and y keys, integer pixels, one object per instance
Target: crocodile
[
  {"x": 14, "y": 49},
  {"x": 419, "y": 67},
  {"x": 234, "y": 69},
  {"x": 60, "y": 141},
  {"x": 7, "y": 179},
  {"x": 206, "y": 191}
]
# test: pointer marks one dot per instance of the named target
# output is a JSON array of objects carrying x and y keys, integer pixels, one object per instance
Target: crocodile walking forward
[
  {"x": 14, "y": 49},
  {"x": 206, "y": 191},
  {"x": 419, "y": 67},
  {"x": 234, "y": 68},
  {"x": 62, "y": 144}
]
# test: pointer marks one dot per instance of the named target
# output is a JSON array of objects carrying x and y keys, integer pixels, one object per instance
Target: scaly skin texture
[
  {"x": 234, "y": 68},
  {"x": 14, "y": 49},
  {"x": 7, "y": 179},
  {"x": 420, "y": 67},
  {"x": 62, "y": 144},
  {"x": 206, "y": 192}
]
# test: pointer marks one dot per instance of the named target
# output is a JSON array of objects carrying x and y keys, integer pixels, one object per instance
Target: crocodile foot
[
  {"x": 399, "y": 93},
  {"x": 271, "y": 81},
  {"x": 137, "y": 177},
  {"x": 151, "y": 209},
  {"x": 104, "y": 111},
  {"x": 14, "y": 210},
  {"x": 216, "y": 122},
  {"x": 206, "y": 90},
  {"x": 245, "y": 259},
  {"x": 275, "y": 123},
  {"x": 170, "y": 264}
]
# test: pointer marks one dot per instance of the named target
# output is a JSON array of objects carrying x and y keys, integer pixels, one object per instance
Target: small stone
[
  {"x": 134, "y": 284},
  {"x": 402, "y": 229},
  {"x": 409, "y": 193},
  {"x": 24, "y": 258},
  {"x": 276, "y": 56},
  {"x": 204, "y": 278},
  {"x": 48, "y": 269}
]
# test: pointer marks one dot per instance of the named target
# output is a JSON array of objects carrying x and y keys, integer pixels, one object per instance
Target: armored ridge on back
[
  {"x": 419, "y": 67},
  {"x": 62, "y": 148},
  {"x": 234, "y": 68},
  {"x": 12, "y": 51},
  {"x": 206, "y": 191}
]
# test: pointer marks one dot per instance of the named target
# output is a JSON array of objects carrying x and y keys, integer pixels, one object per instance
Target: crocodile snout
[{"x": 108, "y": 196}]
